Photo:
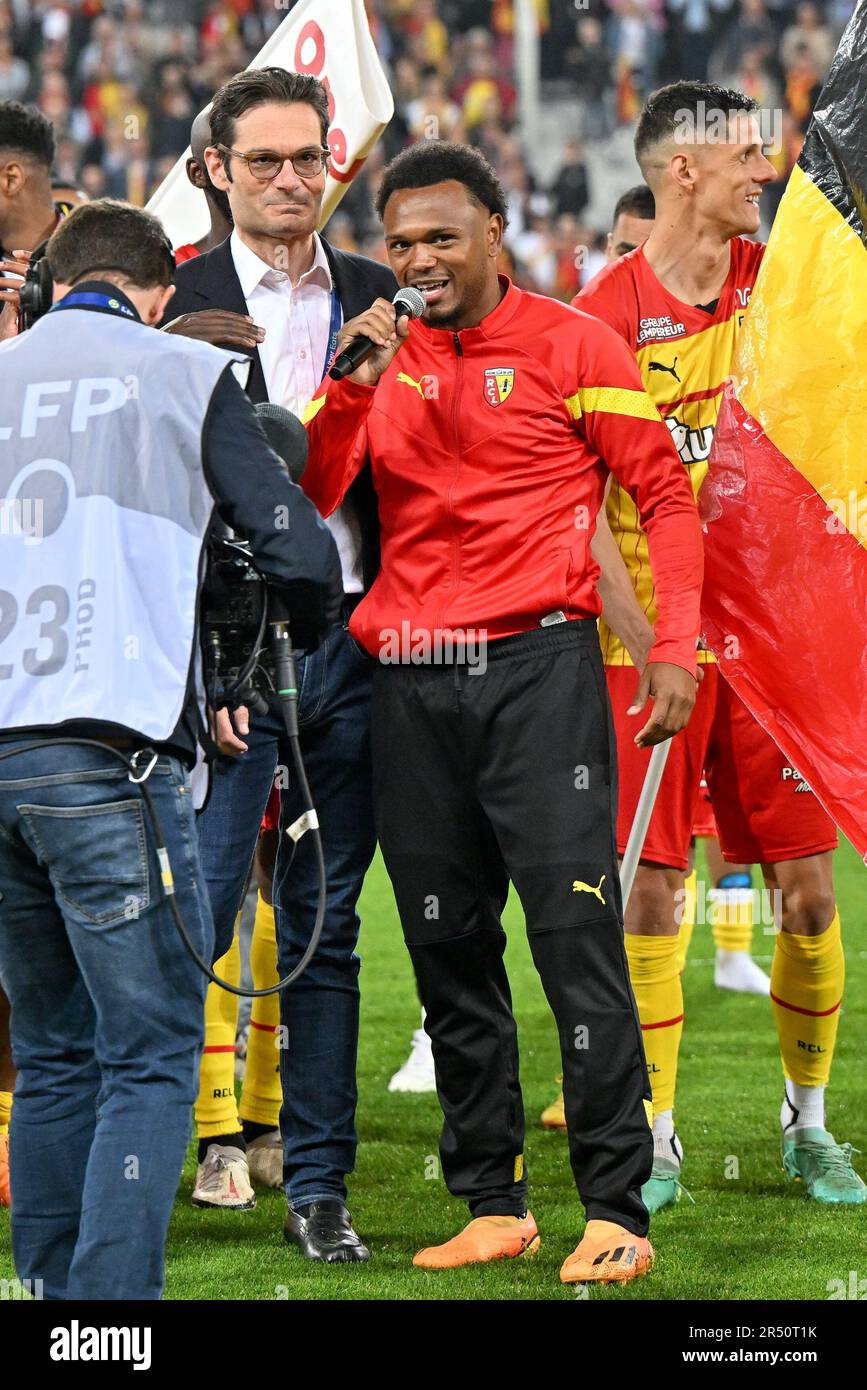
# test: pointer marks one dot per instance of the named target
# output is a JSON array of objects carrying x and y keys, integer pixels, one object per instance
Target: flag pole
[{"x": 644, "y": 811}]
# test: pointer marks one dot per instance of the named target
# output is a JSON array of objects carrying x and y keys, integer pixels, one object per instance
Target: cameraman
[{"x": 119, "y": 444}]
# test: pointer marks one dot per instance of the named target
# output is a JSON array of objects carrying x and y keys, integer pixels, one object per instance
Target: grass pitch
[{"x": 750, "y": 1235}]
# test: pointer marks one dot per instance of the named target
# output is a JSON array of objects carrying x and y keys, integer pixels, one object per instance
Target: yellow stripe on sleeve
[
  {"x": 313, "y": 409},
  {"x": 611, "y": 400}
]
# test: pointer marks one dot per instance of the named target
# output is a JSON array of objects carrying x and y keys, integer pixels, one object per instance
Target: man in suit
[{"x": 278, "y": 291}]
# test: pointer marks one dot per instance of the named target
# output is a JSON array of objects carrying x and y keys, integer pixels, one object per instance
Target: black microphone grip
[
  {"x": 352, "y": 357},
  {"x": 408, "y": 302}
]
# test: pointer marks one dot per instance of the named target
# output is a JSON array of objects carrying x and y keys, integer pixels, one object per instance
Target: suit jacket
[{"x": 211, "y": 282}]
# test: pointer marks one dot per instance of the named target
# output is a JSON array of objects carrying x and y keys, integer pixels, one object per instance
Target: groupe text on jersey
[
  {"x": 684, "y": 353},
  {"x": 490, "y": 449}
]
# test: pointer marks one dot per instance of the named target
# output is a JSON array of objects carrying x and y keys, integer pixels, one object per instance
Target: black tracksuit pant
[{"x": 509, "y": 772}]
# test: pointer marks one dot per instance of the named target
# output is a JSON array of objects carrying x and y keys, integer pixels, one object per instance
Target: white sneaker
[
  {"x": 265, "y": 1159},
  {"x": 223, "y": 1180},
  {"x": 737, "y": 970},
  {"x": 417, "y": 1072}
]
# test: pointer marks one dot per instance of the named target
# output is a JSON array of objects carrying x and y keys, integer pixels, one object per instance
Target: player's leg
[
  {"x": 655, "y": 970},
  {"x": 228, "y": 829},
  {"x": 667, "y": 1002},
  {"x": 417, "y": 1074},
  {"x": 704, "y": 829},
  {"x": 731, "y": 907},
  {"x": 259, "y": 1106},
  {"x": 7, "y": 1086},
  {"x": 546, "y": 776},
  {"x": 222, "y": 1175},
  {"x": 807, "y": 980},
  {"x": 655, "y": 910},
  {"x": 783, "y": 827},
  {"x": 450, "y": 886},
  {"x": 685, "y": 910}
]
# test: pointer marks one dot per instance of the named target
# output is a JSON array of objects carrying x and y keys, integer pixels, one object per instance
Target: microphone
[
  {"x": 286, "y": 435},
  {"x": 407, "y": 301}
]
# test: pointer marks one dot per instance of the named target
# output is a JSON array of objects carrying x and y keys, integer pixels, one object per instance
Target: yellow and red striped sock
[
  {"x": 216, "y": 1111},
  {"x": 732, "y": 913},
  {"x": 807, "y": 978},
  {"x": 653, "y": 969},
  {"x": 261, "y": 1095}
]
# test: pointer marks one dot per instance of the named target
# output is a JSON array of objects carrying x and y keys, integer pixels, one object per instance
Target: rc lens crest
[{"x": 499, "y": 384}]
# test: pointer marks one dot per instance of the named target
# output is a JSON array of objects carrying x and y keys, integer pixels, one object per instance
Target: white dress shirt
[{"x": 296, "y": 319}]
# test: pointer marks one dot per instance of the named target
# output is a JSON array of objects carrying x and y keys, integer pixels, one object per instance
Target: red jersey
[
  {"x": 490, "y": 450},
  {"x": 185, "y": 253},
  {"x": 684, "y": 354}
]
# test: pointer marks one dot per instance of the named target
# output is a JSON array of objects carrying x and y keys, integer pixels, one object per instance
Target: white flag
[{"x": 331, "y": 40}]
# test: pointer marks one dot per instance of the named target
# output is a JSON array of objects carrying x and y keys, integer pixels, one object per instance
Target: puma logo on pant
[{"x": 580, "y": 887}]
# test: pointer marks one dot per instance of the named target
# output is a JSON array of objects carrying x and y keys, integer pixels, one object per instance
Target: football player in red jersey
[
  {"x": 486, "y": 439},
  {"x": 632, "y": 223},
  {"x": 679, "y": 302}
]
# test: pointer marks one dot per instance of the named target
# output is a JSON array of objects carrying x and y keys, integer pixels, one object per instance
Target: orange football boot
[
  {"x": 5, "y": 1192},
  {"x": 607, "y": 1254},
  {"x": 554, "y": 1115},
  {"x": 485, "y": 1238}
]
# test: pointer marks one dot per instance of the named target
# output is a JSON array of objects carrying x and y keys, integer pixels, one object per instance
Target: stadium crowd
[{"x": 121, "y": 81}]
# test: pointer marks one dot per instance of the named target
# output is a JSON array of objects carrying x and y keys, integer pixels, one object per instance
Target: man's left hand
[
  {"x": 226, "y": 725},
  {"x": 673, "y": 691},
  {"x": 12, "y": 273}
]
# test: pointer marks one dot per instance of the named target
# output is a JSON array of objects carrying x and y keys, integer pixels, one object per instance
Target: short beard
[
  {"x": 450, "y": 320},
  {"x": 472, "y": 291}
]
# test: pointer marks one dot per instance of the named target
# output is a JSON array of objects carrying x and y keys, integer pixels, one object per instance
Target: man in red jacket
[{"x": 490, "y": 425}]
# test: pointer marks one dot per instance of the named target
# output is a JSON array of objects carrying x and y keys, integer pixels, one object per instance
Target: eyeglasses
[{"x": 266, "y": 165}]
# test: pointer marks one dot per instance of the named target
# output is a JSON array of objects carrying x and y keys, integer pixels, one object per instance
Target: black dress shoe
[{"x": 323, "y": 1231}]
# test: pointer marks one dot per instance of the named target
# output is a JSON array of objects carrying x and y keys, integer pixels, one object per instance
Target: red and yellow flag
[{"x": 785, "y": 501}]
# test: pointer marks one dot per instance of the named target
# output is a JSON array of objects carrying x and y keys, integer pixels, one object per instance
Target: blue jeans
[
  {"x": 107, "y": 1015},
  {"x": 319, "y": 1013}
]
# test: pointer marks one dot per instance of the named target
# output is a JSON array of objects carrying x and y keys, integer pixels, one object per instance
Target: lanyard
[
  {"x": 334, "y": 327},
  {"x": 95, "y": 301}
]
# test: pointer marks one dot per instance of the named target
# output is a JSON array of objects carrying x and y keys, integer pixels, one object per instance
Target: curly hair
[
  {"x": 438, "y": 161},
  {"x": 24, "y": 130}
]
